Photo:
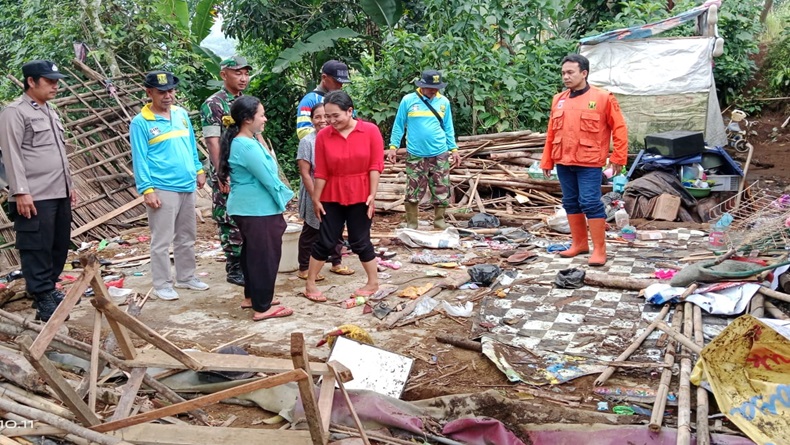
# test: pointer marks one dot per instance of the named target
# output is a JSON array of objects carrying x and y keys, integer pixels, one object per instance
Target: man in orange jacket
[{"x": 584, "y": 121}]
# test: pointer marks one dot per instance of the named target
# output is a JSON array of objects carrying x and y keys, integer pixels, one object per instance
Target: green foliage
[
  {"x": 739, "y": 25},
  {"x": 776, "y": 70},
  {"x": 203, "y": 19},
  {"x": 320, "y": 41},
  {"x": 383, "y": 12}
]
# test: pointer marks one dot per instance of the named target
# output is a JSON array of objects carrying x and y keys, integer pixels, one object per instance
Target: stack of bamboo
[{"x": 493, "y": 178}]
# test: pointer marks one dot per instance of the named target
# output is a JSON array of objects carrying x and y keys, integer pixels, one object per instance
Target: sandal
[
  {"x": 279, "y": 312},
  {"x": 342, "y": 270},
  {"x": 364, "y": 293},
  {"x": 316, "y": 297},
  {"x": 274, "y": 303},
  {"x": 303, "y": 275}
]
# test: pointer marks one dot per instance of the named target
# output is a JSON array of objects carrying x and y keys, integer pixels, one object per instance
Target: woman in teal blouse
[{"x": 256, "y": 202}]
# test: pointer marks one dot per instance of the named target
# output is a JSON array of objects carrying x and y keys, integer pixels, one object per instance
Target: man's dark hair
[
  {"x": 27, "y": 85},
  {"x": 584, "y": 64}
]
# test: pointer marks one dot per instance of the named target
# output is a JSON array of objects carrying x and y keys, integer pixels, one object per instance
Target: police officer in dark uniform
[{"x": 39, "y": 182}]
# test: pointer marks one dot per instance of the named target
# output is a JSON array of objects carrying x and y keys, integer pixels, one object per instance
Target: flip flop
[
  {"x": 304, "y": 276},
  {"x": 521, "y": 257},
  {"x": 342, "y": 270},
  {"x": 364, "y": 293},
  {"x": 274, "y": 303},
  {"x": 316, "y": 297},
  {"x": 281, "y": 311}
]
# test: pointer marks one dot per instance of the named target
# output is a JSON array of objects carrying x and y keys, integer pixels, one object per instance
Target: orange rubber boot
[
  {"x": 598, "y": 235},
  {"x": 578, "y": 225}
]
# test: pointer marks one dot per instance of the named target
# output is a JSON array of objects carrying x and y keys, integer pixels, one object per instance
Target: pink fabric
[
  {"x": 480, "y": 431},
  {"x": 346, "y": 162}
]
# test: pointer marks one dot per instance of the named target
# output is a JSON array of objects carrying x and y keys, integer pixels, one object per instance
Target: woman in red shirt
[{"x": 349, "y": 158}]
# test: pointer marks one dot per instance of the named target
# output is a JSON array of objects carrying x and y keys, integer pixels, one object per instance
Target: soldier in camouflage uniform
[
  {"x": 235, "y": 73},
  {"x": 430, "y": 147}
]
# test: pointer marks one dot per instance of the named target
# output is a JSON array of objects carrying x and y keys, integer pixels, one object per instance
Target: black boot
[
  {"x": 233, "y": 268},
  {"x": 45, "y": 304}
]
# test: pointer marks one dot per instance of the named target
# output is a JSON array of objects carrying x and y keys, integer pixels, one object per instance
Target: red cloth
[{"x": 346, "y": 162}]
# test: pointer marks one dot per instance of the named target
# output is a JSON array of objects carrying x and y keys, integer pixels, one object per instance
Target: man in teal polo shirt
[
  {"x": 430, "y": 144},
  {"x": 166, "y": 172}
]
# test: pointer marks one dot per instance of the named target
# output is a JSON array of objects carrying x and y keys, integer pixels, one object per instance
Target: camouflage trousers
[
  {"x": 229, "y": 234},
  {"x": 432, "y": 173}
]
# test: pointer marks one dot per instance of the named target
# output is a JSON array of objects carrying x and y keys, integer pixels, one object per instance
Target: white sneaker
[
  {"x": 166, "y": 293},
  {"x": 193, "y": 284}
]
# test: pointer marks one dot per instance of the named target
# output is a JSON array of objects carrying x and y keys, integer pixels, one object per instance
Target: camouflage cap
[{"x": 235, "y": 63}]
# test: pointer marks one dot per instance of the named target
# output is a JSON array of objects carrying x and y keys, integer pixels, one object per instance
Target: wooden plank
[
  {"x": 41, "y": 343},
  {"x": 153, "y": 358},
  {"x": 122, "y": 337},
  {"x": 302, "y": 363},
  {"x": 156, "y": 434},
  {"x": 56, "y": 381},
  {"x": 341, "y": 372},
  {"x": 111, "y": 311},
  {"x": 129, "y": 394},
  {"x": 93, "y": 374},
  {"x": 103, "y": 219},
  {"x": 326, "y": 398},
  {"x": 354, "y": 416},
  {"x": 178, "y": 408}
]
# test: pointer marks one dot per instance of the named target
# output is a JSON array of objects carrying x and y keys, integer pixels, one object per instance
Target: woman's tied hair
[{"x": 227, "y": 121}]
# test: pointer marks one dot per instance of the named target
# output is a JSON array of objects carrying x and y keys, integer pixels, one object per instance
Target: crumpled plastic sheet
[
  {"x": 447, "y": 239},
  {"x": 727, "y": 298},
  {"x": 570, "y": 278},
  {"x": 480, "y": 431}
]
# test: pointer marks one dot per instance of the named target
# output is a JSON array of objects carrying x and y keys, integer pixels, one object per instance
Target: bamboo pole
[
  {"x": 59, "y": 422},
  {"x": 684, "y": 390},
  {"x": 657, "y": 416},
  {"x": 682, "y": 339},
  {"x": 703, "y": 429},
  {"x": 775, "y": 311}
]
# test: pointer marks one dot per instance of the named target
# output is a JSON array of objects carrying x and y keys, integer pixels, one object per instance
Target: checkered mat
[{"x": 587, "y": 322}]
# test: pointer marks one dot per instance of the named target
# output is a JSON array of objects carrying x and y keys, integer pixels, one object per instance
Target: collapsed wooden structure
[
  {"x": 494, "y": 178},
  {"x": 121, "y": 427}
]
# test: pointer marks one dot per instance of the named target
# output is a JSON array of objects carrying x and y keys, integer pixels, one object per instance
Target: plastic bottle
[
  {"x": 353, "y": 302},
  {"x": 716, "y": 237},
  {"x": 621, "y": 216}
]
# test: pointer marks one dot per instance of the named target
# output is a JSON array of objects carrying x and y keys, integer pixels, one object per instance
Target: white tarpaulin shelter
[{"x": 661, "y": 84}]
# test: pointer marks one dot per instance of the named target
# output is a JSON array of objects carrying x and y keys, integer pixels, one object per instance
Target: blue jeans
[{"x": 581, "y": 190}]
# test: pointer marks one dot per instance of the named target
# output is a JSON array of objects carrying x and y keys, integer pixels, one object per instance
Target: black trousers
[
  {"x": 261, "y": 250},
  {"x": 43, "y": 242},
  {"x": 307, "y": 239},
  {"x": 355, "y": 218}
]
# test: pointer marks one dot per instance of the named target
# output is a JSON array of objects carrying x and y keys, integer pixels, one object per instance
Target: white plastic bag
[
  {"x": 456, "y": 310},
  {"x": 425, "y": 306},
  {"x": 559, "y": 221}
]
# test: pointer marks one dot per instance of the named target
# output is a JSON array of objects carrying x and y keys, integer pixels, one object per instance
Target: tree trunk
[
  {"x": 767, "y": 6},
  {"x": 91, "y": 8}
]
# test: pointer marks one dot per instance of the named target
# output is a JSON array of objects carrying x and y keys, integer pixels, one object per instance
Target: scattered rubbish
[
  {"x": 428, "y": 257},
  {"x": 551, "y": 248},
  {"x": 483, "y": 221},
  {"x": 446, "y": 265},
  {"x": 415, "y": 291},
  {"x": 570, "y": 278},
  {"x": 447, "y": 239},
  {"x": 469, "y": 286},
  {"x": 384, "y": 291},
  {"x": 351, "y": 331},
  {"x": 641, "y": 411},
  {"x": 436, "y": 273},
  {"x": 456, "y": 310},
  {"x": 425, "y": 306},
  {"x": 603, "y": 406},
  {"x": 559, "y": 221},
  {"x": 138, "y": 274},
  {"x": 353, "y": 302},
  {"x": 665, "y": 274},
  {"x": 484, "y": 274},
  {"x": 381, "y": 310},
  {"x": 118, "y": 292},
  {"x": 394, "y": 265},
  {"x": 623, "y": 410},
  {"x": 384, "y": 275},
  {"x": 628, "y": 233},
  {"x": 650, "y": 235}
]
